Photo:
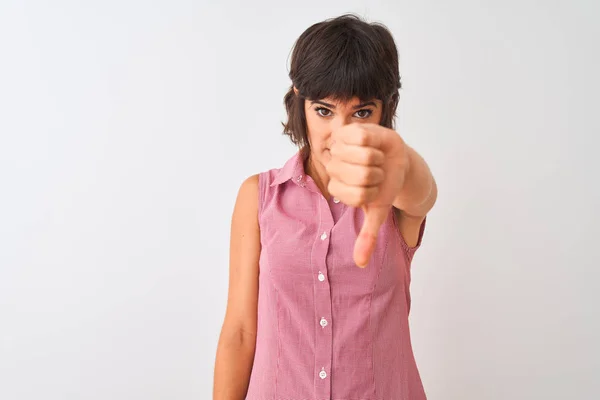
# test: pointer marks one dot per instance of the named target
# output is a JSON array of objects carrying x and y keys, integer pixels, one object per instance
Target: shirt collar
[{"x": 293, "y": 169}]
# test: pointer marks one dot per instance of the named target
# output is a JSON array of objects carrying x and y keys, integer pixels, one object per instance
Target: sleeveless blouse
[{"x": 327, "y": 329}]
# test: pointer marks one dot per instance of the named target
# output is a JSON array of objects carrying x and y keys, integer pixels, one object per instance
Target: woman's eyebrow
[
  {"x": 322, "y": 103},
  {"x": 361, "y": 105},
  {"x": 368, "y": 103}
]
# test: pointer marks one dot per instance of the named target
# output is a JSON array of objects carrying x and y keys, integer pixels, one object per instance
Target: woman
[{"x": 303, "y": 321}]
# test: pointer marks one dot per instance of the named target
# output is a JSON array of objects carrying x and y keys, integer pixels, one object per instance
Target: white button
[
  {"x": 321, "y": 276},
  {"x": 323, "y": 322},
  {"x": 324, "y": 236},
  {"x": 323, "y": 374},
  {"x": 336, "y": 200}
]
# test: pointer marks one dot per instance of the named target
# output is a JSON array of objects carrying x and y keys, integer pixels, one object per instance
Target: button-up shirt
[{"x": 327, "y": 329}]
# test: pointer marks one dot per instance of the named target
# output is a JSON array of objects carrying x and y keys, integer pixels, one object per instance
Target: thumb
[{"x": 367, "y": 238}]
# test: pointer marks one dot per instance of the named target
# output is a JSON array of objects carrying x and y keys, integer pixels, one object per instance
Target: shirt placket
[{"x": 323, "y": 318}]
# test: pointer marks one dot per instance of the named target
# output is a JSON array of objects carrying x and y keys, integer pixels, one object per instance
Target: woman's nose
[{"x": 338, "y": 123}]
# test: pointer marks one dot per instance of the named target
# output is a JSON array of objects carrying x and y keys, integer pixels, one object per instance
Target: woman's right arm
[{"x": 237, "y": 342}]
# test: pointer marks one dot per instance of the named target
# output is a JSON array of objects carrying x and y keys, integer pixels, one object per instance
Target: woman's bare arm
[{"x": 237, "y": 342}]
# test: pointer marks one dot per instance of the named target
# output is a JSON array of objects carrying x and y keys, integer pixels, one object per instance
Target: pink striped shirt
[{"x": 328, "y": 330}]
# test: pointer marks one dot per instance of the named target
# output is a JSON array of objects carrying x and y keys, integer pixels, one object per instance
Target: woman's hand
[{"x": 368, "y": 167}]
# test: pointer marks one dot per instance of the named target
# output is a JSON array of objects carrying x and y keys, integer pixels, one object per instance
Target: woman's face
[{"x": 325, "y": 116}]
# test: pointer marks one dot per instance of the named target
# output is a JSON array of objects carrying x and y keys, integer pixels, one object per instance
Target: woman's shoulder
[
  {"x": 257, "y": 181},
  {"x": 257, "y": 185},
  {"x": 249, "y": 189},
  {"x": 252, "y": 180},
  {"x": 266, "y": 178},
  {"x": 252, "y": 190}
]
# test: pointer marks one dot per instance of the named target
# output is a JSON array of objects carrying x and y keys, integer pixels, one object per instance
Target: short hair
[{"x": 342, "y": 58}]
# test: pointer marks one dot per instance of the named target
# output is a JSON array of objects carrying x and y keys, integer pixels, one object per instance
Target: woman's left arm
[{"x": 415, "y": 198}]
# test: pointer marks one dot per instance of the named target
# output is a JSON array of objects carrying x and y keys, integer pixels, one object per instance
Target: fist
[{"x": 367, "y": 169}]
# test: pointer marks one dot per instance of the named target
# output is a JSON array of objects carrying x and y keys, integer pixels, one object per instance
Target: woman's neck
[{"x": 318, "y": 174}]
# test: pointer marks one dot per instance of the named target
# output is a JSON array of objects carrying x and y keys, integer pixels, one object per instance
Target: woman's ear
[{"x": 296, "y": 90}]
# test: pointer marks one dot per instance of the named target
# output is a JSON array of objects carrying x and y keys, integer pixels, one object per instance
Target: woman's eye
[
  {"x": 365, "y": 113},
  {"x": 323, "y": 112},
  {"x": 362, "y": 114}
]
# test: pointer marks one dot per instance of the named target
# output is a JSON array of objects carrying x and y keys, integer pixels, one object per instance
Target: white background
[{"x": 126, "y": 128}]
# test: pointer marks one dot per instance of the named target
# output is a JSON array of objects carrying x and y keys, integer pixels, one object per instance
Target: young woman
[{"x": 321, "y": 248}]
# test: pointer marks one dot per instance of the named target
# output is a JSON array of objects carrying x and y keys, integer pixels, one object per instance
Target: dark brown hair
[{"x": 342, "y": 58}]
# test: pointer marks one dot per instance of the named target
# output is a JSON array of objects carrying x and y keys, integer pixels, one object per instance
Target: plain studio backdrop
[{"x": 126, "y": 128}]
